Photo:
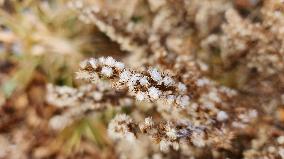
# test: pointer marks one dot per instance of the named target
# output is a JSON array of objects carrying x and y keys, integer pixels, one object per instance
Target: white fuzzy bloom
[
  {"x": 228, "y": 91},
  {"x": 102, "y": 60},
  {"x": 222, "y": 116},
  {"x": 61, "y": 96},
  {"x": 107, "y": 71},
  {"x": 214, "y": 96},
  {"x": 118, "y": 128},
  {"x": 165, "y": 145},
  {"x": 183, "y": 101},
  {"x": 171, "y": 133},
  {"x": 93, "y": 62},
  {"x": 109, "y": 61},
  {"x": 119, "y": 65},
  {"x": 129, "y": 136},
  {"x": 202, "y": 82},
  {"x": 197, "y": 139},
  {"x": 154, "y": 92},
  {"x": 252, "y": 114},
  {"x": 125, "y": 76},
  {"x": 170, "y": 99},
  {"x": 181, "y": 87},
  {"x": 149, "y": 121},
  {"x": 85, "y": 75},
  {"x": 175, "y": 146},
  {"x": 143, "y": 81},
  {"x": 134, "y": 79},
  {"x": 168, "y": 81},
  {"x": 140, "y": 96},
  {"x": 155, "y": 75}
]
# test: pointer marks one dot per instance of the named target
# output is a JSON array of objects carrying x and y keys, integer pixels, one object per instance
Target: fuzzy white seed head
[
  {"x": 252, "y": 114},
  {"x": 170, "y": 99},
  {"x": 109, "y": 61},
  {"x": 222, "y": 116},
  {"x": 172, "y": 134},
  {"x": 149, "y": 121},
  {"x": 107, "y": 71},
  {"x": 183, "y": 101},
  {"x": 83, "y": 75},
  {"x": 202, "y": 82},
  {"x": 165, "y": 145},
  {"x": 93, "y": 62},
  {"x": 197, "y": 139},
  {"x": 214, "y": 96},
  {"x": 134, "y": 79},
  {"x": 175, "y": 146},
  {"x": 168, "y": 81},
  {"x": 181, "y": 87},
  {"x": 155, "y": 75},
  {"x": 143, "y": 81},
  {"x": 118, "y": 128},
  {"x": 125, "y": 76},
  {"x": 102, "y": 60},
  {"x": 119, "y": 65},
  {"x": 154, "y": 92},
  {"x": 130, "y": 137}
]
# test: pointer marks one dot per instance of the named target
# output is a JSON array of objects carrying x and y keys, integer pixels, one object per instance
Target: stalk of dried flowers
[
  {"x": 155, "y": 28},
  {"x": 168, "y": 134},
  {"x": 150, "y": 85},
  {"x": 75, "y": 103},
  {"x": 208, "y": 107}
]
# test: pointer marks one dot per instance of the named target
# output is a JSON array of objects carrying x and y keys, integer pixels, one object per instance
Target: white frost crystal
[
  {"x": 110, "y": 61},
  {"x": 181, "y": 87},
  {"x": 143, "y": 81},
  {"x": 168, "y": 81},
  {"x": 93, "y": 63},
  {"x": 107, "y": 71},
  {"x": 183, "y": 100},
  {"x": 154, "y": 92},
  {"x": 155, "y": 75},
  {"x": 124, "y": 76},
  {"x": 119, "y": 65}
]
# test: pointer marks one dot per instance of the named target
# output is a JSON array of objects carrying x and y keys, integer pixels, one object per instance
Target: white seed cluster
[
  {"x": 75, "y": 103},
  {"x": 59, "y": 122},
  {"x": 120, "y": 128},
  {"x": 170, "y": 134},
  {"x": 149, "y": 85}
]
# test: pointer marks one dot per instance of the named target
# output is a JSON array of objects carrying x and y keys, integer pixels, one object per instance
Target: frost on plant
[{"x": 138, "y": 79}]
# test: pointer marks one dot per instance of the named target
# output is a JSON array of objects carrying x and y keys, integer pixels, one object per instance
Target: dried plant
[{"x": 142, "y": 79}]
